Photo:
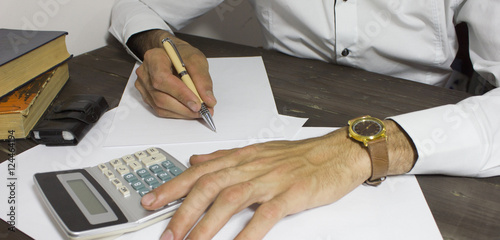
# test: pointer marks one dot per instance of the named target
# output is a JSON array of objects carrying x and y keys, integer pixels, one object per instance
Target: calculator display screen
[{"x": 88, "y": 199}]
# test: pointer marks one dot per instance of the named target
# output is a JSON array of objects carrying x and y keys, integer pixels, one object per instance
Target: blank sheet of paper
[
  {"x": 398, "y": 205},
  {"x": 245, "y": 110}
]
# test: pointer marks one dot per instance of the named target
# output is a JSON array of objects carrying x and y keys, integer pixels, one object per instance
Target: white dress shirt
[{"x": 414, "y": 40}]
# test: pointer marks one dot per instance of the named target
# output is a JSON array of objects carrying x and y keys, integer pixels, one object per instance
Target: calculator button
[
  {"x": 155, "y": 185},
  {"x": 151, "y": 181},
  {"x": 128, "y": 158},
  {"x": 124, "y": 190},
  {"x": 175, "y": 171},
  {"x": 116, "y": 162},
  {"x": 135, "y": 165},
  {"x": 140, "y": 155},
  {"x": 102, "y": 167},
  {"x": 130, "y": 177},
  {"x": 109, "y": 174},
  {"x": 122, "y": 170},
  {"x": 167, "y": 164},
  {"x": 116, "y": 182},
  {"x": 156, "y": 168},
  {"x": 142, "y": 191},
  {"x": 143, "y": 173},
  {"x": 158, "y": 158},
  {"x": 138, "y": 185},
  {"x": 152, "y": 151},
  {"x": 164, "y": 176}
]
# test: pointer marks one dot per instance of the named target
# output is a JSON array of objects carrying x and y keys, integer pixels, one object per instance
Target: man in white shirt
[{"x": 414, "y": 40}]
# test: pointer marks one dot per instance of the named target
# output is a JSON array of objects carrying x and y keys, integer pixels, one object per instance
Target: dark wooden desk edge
[{"x": 478, "y": 214}]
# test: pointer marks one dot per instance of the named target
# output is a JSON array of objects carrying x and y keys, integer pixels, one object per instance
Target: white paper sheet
[
  {"x": 397, "y": 207},
  {"x": 245, "y": 110}
]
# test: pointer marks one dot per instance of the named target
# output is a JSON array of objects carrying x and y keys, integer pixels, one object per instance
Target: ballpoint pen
[{"x": 180, "y": 67}]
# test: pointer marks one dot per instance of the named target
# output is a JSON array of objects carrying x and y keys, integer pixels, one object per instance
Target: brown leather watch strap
[{"x": 380, "y": 161}]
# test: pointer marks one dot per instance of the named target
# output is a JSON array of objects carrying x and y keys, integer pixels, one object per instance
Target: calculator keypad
[{"x": 143, "y": 171}]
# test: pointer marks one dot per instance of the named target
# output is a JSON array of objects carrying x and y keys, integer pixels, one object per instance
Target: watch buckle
[{"x": 375, "y": 182}]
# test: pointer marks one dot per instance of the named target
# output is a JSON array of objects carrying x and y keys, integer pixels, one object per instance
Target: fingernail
[
  {"x": 210, "y": 94},
  {"x": 167, "y": 235},
  {"x": 193, "y": 106},
  {"x": 148, "y": 199}
]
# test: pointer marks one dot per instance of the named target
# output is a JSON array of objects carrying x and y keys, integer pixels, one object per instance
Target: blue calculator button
[
  {"x": 143, "y": 191},
  {"x": 175, "y": 171},
  {"x": 155, "y": 168},
  {"x": 130, "y": 177},
  {"x": 150, "y": 180},
  {"x": 164, "y": 176},
  {"x": 143, "y": 173},
  {"x": 138, "y": 185},
  {"x": 155, "y": 185},
  {"x": 167, "y": 164}
]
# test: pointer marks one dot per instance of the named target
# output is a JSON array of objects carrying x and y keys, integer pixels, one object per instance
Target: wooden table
[{"x": 329, "y": 95}]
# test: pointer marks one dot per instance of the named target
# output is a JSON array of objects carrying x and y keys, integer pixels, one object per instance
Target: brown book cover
[
  {"x": 21, "y": 109},
  {"x": 25, "y": 54}
]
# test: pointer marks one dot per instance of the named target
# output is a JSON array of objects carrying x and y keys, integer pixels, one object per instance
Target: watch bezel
[{"x": 363, "y": 138}]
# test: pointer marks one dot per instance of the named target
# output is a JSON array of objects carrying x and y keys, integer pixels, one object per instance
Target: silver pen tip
[{"x": 205, "y": 114}]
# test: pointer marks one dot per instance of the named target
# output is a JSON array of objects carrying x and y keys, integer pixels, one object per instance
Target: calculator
[{"x": 104, "y": 201}]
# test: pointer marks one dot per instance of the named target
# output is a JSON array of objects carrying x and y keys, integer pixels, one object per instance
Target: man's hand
[
  {"x": 159, "y": 84},
  {"x": 284, "y": 177}
]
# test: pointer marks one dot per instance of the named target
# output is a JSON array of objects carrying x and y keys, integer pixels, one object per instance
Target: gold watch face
[{"x": 366, "y": 128}]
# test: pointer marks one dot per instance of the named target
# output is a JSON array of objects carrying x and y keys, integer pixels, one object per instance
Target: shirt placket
[{"x": 346, "y": 31}]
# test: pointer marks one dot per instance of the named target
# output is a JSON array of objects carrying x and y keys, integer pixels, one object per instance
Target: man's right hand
[{"x": 160, "y": 85}]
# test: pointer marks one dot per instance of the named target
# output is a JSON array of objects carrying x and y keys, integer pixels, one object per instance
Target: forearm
[{"x": 140, "y": 43}]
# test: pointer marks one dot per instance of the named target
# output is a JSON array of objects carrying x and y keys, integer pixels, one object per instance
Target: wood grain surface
[{"x": 329, "y": 95}]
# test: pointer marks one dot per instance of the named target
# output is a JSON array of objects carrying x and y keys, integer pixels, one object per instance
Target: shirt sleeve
[
  {"x": 132, "y": 16},
  {"x": 129, "y": 17},
  {"x": 464, "y": 139},
  {"x": 460, "y": 140}
]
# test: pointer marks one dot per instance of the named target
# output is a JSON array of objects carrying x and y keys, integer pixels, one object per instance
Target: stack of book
[{"x": 33, "y": 69}]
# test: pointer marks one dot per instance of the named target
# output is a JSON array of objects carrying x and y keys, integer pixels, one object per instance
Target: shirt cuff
[
  {"x": 447, "y": 140},
  {"x": 126, "y": 22}
]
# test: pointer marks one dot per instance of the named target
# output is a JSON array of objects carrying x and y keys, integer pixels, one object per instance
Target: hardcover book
[
  {"x": 20, "y": 110},
  {"x": 24, "y": 55}
]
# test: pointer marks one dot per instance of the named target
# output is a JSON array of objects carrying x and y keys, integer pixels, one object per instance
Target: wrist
[
  {"x": 386, "y": 146},
  {"x": 353, "y": 154},
  {"x": 141, "y": 42},
  {"x": 402, "y": 152}
]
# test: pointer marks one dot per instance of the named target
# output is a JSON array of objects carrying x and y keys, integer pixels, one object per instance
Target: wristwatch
[{"x": 371, "y": 132}]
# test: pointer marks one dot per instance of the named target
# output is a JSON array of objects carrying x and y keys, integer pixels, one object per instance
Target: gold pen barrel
[
  {"x": 179, "y": 66},
  {"x": 175, "y": 58}
]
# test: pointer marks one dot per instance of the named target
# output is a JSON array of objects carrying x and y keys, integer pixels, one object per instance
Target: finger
[
  {"x": 198, "y": 69},
  {"x": 171, "y": 84},
  {"x": 231, "y": 190},
  {"x": 181, "y": 185},
  {"x": 196, "y": 159},
  {"x": 146, "y": 97},
  {"x": 267, "y": 215},
  {"x": 162, "y": 112},
  {"x": 167, "y": 106},
  {"x": 169, "y": 88},
  {"x": 230, "y": 201},
  {"x": 163, "y": 104},
  {"x": 203, "y": 193}
]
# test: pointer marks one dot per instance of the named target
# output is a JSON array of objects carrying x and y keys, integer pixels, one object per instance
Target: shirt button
[{"x": 345, "y": 52}]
